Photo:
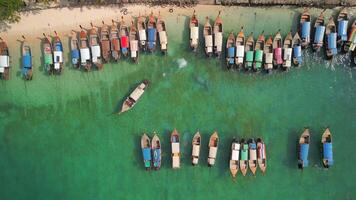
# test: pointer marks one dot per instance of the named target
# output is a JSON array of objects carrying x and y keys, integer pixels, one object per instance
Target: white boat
[
  {"x": 234, "y": 160},
  {"x": 196, "y": 143},
  {"x": 213, "y": 148},
  {"x": 175, "y": 149},
  {"x": 134, "y": 97}
]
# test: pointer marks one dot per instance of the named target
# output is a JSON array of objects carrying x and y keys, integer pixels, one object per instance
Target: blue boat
[
  {"x": 26, "y": 60},
  {"x": 319, "y": 32},
  {"x": 327, "y": 149},
  {"x": 151, "y": 33},
  {"x": 230, "y": 49},
  {"x": 74, "y": 49},
  {"x": 305, "y": 28},
  {"x": 146, "y": 151},
  {"x": 297, "y": 50},
  {"x": 303, "y": 149},
  {"x": 331, "y": 36},
  {"x": 156, "y": 152},
  {"x": 342, "y": 24}
]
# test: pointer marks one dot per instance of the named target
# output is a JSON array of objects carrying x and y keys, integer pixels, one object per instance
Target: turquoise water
[{"x": 60, "y": 140}]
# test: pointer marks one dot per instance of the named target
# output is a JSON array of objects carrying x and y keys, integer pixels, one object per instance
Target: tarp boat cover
[
  {"x": 297, "y": 53},
  {"x": 142, "y": 35},
  {"x": 244, "y": 153},
  {"x": 136, "y": 94},
  {"x": 287, "y": 54},
  {"x": 269, "y": 58},
  {"x": 4, "y": 61},
  {"x": 58, "y": 56},
  {"x": 124, "y": 41},
  {"x": 163, "y": 39},
  {"x": 319, "y": 34},
  {"x": 218, "y": 38},
  {"x": 85, "y": 55},
  {"x": 146, "y": 153},
  {"x": 95, "y": 53},
  {"x": 175, "y": 162},
  {"x": 306, "y": 31},
  {"x": 258, "y": 55},
  {"x": 212, "y": 152},
  {"x": 261, "y": 153},
  {"x": 240, "y": 51},
  {"x": 156, "y": 157},
  {"x": 278, "y": 55},
  {"x": 235, "y": 151},
  {"x": 194, "y": 35},
  {"x": 231, "y": 54},
  {"x": 253, "y": 154},
  {"x": 75, "y": 56},
  {"x": 151, "y": 34},
  {"x": 342, "y": 29},
  {"x": 249, "y": 56},
  {"x": 175, "y": 148},
  {"x": 27, "y": 61},
  {"x": 328, "y": 152},
  {"x": 304, "y": 151},
  {"x": 133, "y": 47},
  {"x": 209, "y": 43},
  {"x": 196, "y": 150},
  {"x": 332, "y": 43}
]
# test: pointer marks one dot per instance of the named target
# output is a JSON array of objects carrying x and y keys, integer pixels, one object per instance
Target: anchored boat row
[{"x": 245, "y": 154}]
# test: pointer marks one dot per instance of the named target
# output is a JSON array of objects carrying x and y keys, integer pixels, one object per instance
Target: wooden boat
[
  {"x": 354, "y": 56},
  {"x": 134, "y": 97},
  {"x": 234, "y": 160},
  {"x": 124, "y": 38},
  {"x": 141, "y": 27},
  {"x": 327, "y": 150},
  {"x": 57, "y": 54},
  {"x": 243, "y": 157},
  {"x": 260, "y": 43},
  {"x": 105, "y": 42},
  {"x": 342, "y": 25},
  {"x": 240, "y": 49},
  {"x": 277, "y": 50},
  {"x": 249, "y": 46},
  {"x": 194, "y": 32},
  {"x": 330, "y": 32},
  {"x": 74, "y": 49},
  {"x": 303, "y": 149},
  {"x": 261, "y": 155},
  {"x": 213, "y": 148},
  {"x": 151, "y": 33},
  {"x": 351, "y": 41},
  {"x": 287, "y": 51},
  {"x": 196, "y": 143},
  {"x": 134, "y": 42},
  {"x": 268, "y": 54},
  {"x": 146, "y": 151},
  {"x": 208, "y": 37},
  {"x": 95, "y": 47},
  {"x": 47, "y": 54},
  {"x": 114, "y": 42},
  {"x": 230, "y": 49},
  {"x": 218, "y": 36},
  {"x": 305, "y": 28},
  {"x": 156, "y": 152},
  {"x": 85, "y": 58},
  {"x": 175, "y": 149},
  {"x": 297, "y": 50},
  {"x": 4, "y": 60},
  {"x": 252, "y": 162},
  {"x": 162, "y": 34},
  {"x": 319, "y": 32},
  {"x": 26, "y": 60}
]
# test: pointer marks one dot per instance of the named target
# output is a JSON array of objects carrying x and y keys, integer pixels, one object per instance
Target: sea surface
[{"x": 60, "y": 138}]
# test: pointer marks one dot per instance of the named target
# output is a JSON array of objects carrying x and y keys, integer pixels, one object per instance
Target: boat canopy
[
  {"x": 253, "y": 154},
  {"x": 261, "y": 152},
  {"x": 136, "y": 94},
  {"x": 342, "y": 29},
  {"x": 194, "y": 33},
  {"x": 235, "y": 154},
  {"x": 328, "y": 152},
  {"x": 124, "y": 41},
  {"x": 74, "y": 53},
  {"x": 58, "y": 56},
  {"x": 306, "y": 30},
  {"x": 134, "y": 45},
  {"x": 304, "y": 150},
  {"x": 231, "y": 52},
  {"x": 163, "y": 37},
  {"x": 240, "y": 50},
  {"x": 332, "y": 43},
  {"x": 218, "y": 37},
  {"x": 258, "y": 55},
  {"x": 196, "y": 150},
  {"x": 269, "y": 58},
  {"x": 297, "y": 51},
  {"x": 175, "y": 162},
  {"x": 58, "y": 46},
  {"x": 151, "y": 34},
  {"x": 287, "y": 54},
  {"x": 175, "y": 147},
  {"x": 278, "y": 55},
  {"x": 146, "y": 153},
  {"x": 244, "y": 155},
  {"x": 156, "y": 157},
  {"x": 212, "y": 152},
  {"x": 249, "y": 56},
  {"x": 319, "y": 34},
  {"x": 27, "y": 61},
  {"x": 4, "y": 61},
  {"x": 95, "y": 52},
  {"x": 85, "y": 55},
  {"x": 209, "y": 41},
  {"x": 142, "y": 34}
]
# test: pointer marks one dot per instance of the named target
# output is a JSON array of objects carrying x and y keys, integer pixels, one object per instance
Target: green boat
[
  {"x": 257, "y": 64},
  {"x": 250, "y": 43},
  {"x": 244, "y": 157},
  {"x": 47, "y": 55}
]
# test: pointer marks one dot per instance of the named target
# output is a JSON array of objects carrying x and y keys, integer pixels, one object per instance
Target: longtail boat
[
  {"x": 218, "y": 36},
  {"x": 277, "y": 50},
  {"x": 95, "y": 47},
  {"x": 342, "y": 25},
  {"x": 208, "y": 37},
  {"x": 156, "y": 152},
  {"x": 134, "y": 40},
  {"x": 230, "y": 49},
  {"x": 213, "y": 148},
  {"x": 234, "y": 160},
  {"x": 74, "y": 49},
  {"x": 240, "y": 49},
  {"x": 330, "y": 32},
  {"x": 175, "y": 149},
  {"x": 287, "y": 51},
  {"x": 252, "y": 162},
  {"x": 268, "y": 53},
  {"x": 146, "y": 151},
  {"x": 114, "y": 42},
  {"x": 305, "y": 28},
  {"x": 327, "y": 150},
  {"x": 105, "y": 42},
  {"x": 351, "y": 41},
  {"x": 26, "y": 60},
  {"x": 249, "y": 46},
  {"x": 196, "y": 143},
  {"x": 47, "y": 54},
  {"x": 297, "y": 50},
  {"x": 243, "y": 157},
  {"x": 261, "y": 155},
  {"x": 124, "y": 38},
  {"x": 141, "y": 27},
  {"x": 57, "y": 54},
  {"x": 319, "y": 32},
  {"x": 303, "y": 149},
  {"x": 194, "y": 32},
  {"x": 260, "y": 43},
  {"x": 85, "y": 58},
  {"x": 151, "y": 33},
  {"x": 134, "y": 97},
  {"x": 162, "y": 34},
  {"x": 354, "y": 56},
  {"x": 4, "y": 60}
]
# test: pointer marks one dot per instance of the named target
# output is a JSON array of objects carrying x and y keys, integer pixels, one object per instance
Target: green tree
[{"x": 9, "y": 10}]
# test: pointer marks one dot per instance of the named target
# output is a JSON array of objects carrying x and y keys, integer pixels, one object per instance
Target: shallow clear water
[{"x": 60, "y": 140}]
